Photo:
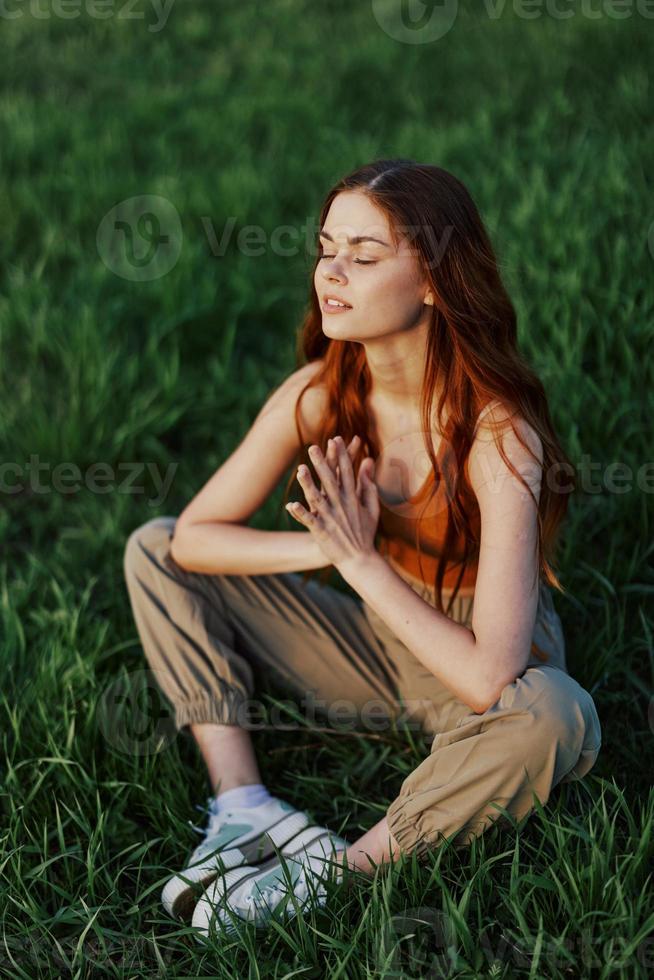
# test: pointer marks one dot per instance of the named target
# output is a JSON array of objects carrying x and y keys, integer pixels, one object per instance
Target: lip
[{"x": 326, "y": 308}]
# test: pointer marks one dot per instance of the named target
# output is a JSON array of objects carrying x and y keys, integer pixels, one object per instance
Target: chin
[
  {"x": 331, "y": 329},
  {"x": 335, "y": 330}
]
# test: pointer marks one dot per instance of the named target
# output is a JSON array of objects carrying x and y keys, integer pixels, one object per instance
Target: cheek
[
  {"x": 379, "y": 285},
  {"x": 381, "y": 288},
  {"x": 391, "y": 291}
]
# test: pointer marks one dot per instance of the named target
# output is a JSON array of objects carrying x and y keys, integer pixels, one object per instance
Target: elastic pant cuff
[
  {"x": 228, "y": 709},
  {"x": 405, "y": 831}
]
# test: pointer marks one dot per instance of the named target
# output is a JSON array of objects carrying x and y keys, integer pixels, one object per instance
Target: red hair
[{"x": 472, "y": 347}]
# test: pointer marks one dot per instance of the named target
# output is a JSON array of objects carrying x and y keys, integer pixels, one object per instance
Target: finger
[
  {"x": 327, "y": 476},
  {"x": 365, "y": 470},
  {"x": 370, "y": 492},
  {"x": 332, "y": 451},
  {"x": 345, "y": 467},
  {"x": 304, "y": 516},
  {"x": 352, "y": 449},
  {"x": 314, "y": 497},
  {"x": 295, "y": 510},
  {"x": 332, "y": 454}
]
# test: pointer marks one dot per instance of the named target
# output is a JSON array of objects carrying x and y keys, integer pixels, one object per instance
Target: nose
[{"x": 332, "y": 272}]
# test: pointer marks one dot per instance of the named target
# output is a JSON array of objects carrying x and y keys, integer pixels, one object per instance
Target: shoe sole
[
  {"x": 237, "y": 876},
  {"x": 259, "y": 847}
]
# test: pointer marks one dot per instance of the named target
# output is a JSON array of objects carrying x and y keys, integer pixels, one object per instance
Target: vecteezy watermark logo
[
  {"x": 558, "y": 955},
  {"x": 140, "y": 238},
  {"x": 422, "y": 21},
  {"x": 134, "y": 716},
  {"x": 74, "y": 954},
  {"x": 405, "y": 468},
  {"x": 415, "y": 21},
  {"x": 95, "y": 9},
  {"x": 420, "y": 941},
  {"x": 67, "y": 478}
]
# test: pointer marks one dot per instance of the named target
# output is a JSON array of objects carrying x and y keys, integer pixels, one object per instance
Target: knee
[
  {"x": 560, "y": 721},
  {"x": 146, "y": 542}
]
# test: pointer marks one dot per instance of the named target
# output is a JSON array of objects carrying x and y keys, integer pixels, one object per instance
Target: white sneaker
[
  {"x": 255, "y": 894},
  {"x": 245, "y": 835}
]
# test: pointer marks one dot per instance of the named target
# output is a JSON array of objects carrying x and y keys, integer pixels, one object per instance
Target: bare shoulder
[
  {"x": 496, "y": 418},
  {"x": 495, "y": 424},
  {"x": 313, "y": 405}
]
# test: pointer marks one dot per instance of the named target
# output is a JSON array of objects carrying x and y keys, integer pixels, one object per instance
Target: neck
[{"x": 397, "y": 367}]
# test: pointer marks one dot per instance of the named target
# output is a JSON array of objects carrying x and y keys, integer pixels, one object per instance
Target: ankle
[{"x": 249, "y": 795}]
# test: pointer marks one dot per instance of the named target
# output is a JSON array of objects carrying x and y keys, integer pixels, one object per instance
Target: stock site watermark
[
  {"x": 39, "y": 478},
  {"x": 80, "y": 955},
  {"x": 136, "y": 718},
  {"x": 141, "y": 238},
  {"x": 425, "y": 939},
  {"x": 400, "y": 471},
  {"x": 426, "y": 21},
  {"x": 421, "y": 938},
  {"x": 406, "y": 467},
  {"x": 153, "y": 14}
]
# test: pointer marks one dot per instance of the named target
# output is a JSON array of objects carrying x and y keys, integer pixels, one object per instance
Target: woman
[{"x": 409, "y": 355}]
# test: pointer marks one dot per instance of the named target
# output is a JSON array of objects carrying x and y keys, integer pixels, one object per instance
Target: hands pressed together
[{"x": 344, "y": 514}]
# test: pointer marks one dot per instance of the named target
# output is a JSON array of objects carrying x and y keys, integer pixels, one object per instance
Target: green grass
[{"x": 252, "y": 111}]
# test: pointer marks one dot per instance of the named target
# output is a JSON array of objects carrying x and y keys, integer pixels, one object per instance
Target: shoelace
[
  {"x": 277, "y": 891},
  {"x": 215, "y": 821}
]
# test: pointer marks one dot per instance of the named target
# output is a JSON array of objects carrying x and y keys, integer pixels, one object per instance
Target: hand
[
  {"x": 332, "y": 457},
  {"x": 343, "y": 517}
]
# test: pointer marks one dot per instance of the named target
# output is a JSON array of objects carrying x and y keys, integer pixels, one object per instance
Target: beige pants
[{"x": 210, "y": 640}]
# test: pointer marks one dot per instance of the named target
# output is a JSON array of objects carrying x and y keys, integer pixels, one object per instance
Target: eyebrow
[{"x": 356, "y": 240}]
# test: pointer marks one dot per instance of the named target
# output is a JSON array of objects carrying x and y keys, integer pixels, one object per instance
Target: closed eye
[{"x": 360, "y": 261}]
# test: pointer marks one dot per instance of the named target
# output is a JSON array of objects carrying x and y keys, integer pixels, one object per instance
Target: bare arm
[
  {"x": 475, "y": 664},
  {"x": 211, "y": 534},
  {"x": 233, "y": 549}
]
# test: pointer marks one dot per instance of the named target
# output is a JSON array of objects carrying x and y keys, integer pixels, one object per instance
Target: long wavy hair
[{"x": 471, "y": 348}]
